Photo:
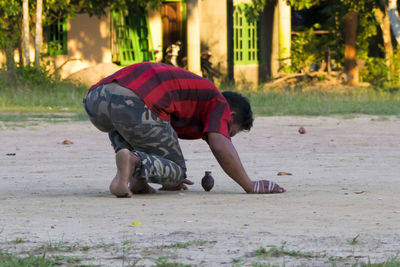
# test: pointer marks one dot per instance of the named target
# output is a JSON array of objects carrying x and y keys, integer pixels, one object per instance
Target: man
[{"x": 146, "y": 107}]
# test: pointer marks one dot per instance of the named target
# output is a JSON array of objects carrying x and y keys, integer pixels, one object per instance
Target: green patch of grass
[
  {"x": 47, "y": 95},
  {"x": 14, "y": 120},
  {"x": 85, "y": 248},
  {"x": 61, "y": 246},
  {"x": 190, "y": 243},
  {"x": 257, "y": 264},
  {"x": 19, "y": 240},
  {"x": 394, "y": 262},
  {"x": 10, "y": 260},
  {"x": 44, "y": 95},
  {"x": 164, "y": 262},
  {"x": 13, "y": 261},
  {"x": 323, "y": 104},
  {"x": 66, "y": 259},
  {"x": 279, "y": 252}
]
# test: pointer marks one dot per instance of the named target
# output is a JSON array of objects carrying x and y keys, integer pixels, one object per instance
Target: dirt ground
[{"x": 341, "y": 206}]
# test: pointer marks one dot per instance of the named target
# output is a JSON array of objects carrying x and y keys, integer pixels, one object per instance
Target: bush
[{"x": 35, "y": 88}]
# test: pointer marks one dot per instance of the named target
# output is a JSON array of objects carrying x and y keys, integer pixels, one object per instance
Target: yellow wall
[
  {"x": 156, "y": 32},
  {"x": 214, "y": 32},
  {"x": 214, "y": 37},
  {"x": 88, "y": 43},
  {"x": 246, "y": 76}
]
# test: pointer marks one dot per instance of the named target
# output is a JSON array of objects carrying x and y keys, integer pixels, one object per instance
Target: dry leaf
[
  {"x": 359, "y": 192},
  {"x": 283, "y": 173}
]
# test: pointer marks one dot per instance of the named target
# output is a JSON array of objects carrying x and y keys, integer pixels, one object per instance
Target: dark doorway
[{"x": 173, "y": 24}]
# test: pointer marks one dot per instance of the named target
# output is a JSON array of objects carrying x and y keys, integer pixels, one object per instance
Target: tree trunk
[
  {"x": 350, "y": 60},
  {"x": 275, "y": 43},
  {"x": 39, "y": 34},
  {"x": 394, "y": 18},
  {"x": 384, "y": 23},
  {"x": 10, "y": 63},
  {"x": 284, "y": 33},
  {"x": 269, "y": 63},
  {"x": 25, "y": 29},
  {"x": 193, "y": 36}
]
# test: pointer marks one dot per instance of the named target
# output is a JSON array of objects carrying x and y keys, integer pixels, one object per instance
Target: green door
[{"x": 131, "y": 40}]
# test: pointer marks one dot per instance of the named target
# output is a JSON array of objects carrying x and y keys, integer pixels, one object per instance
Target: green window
[
  {"x": 131, "y": 37},
  {"x": 245, "y": 38},
  {"x": 56, "y": 38}
]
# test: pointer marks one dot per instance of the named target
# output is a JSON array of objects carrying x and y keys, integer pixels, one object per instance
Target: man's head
[{"x": 242, "y": 116}]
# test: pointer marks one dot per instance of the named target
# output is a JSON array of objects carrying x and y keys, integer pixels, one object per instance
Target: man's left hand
[{"x": 181, "y": 186}]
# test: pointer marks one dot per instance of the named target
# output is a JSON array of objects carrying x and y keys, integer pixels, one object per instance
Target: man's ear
[{"x": 233, "y": 114}]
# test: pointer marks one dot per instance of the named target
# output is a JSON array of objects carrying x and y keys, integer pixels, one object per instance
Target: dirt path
[{"x": 342, "y": 199}]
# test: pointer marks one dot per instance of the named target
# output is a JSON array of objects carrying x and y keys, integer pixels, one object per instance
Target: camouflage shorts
[{"x": 130, "y": 124}]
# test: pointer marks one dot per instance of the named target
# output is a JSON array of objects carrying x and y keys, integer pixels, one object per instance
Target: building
[{"x": 240, "y": 50}]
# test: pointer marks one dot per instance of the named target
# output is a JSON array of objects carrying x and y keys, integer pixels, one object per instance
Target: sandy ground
[{"x": 342, "y": 203}]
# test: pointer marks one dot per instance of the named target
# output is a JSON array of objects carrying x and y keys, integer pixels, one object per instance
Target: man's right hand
[{"x": 266, "y": 187}]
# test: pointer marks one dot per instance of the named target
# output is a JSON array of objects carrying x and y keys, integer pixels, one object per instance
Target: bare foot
[
  {"x": 126, "y": 164},
  {"x": 140, "y": 186}
]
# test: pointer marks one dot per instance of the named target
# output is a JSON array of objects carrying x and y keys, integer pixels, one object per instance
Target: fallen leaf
[
  {"x": 67, "y": 142},
  {"x": 283, "y": 173},
  {"x": 359, "y": 192}
]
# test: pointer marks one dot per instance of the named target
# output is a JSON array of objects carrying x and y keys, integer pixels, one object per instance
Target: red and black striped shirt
[{"x": 192, "y": 104}]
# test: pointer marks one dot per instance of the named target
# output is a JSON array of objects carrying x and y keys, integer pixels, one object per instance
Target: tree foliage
[
  {"x": 11, "y": 15},
  {"x": 10, "y": 22}
]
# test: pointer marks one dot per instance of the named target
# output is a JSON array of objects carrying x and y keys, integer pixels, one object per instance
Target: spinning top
[{"x": 207, "y": 182}]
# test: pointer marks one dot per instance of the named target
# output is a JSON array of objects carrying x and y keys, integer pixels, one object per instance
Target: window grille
[
  {"x": 56, "y": 38},
  {"x": 131, "y": 40},
  {"x": 245, "y": 38}
]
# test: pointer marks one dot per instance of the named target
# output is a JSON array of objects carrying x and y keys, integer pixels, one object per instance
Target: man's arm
[{"x": 229, "y": 160}]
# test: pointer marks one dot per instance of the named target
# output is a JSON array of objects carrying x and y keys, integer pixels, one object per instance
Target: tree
[
  {"x": 10, "y": 32},
  {"x": 350, "y": 58},
  {"x": 394, "y": 18},
  {"x": 39, "y": 32},
  {"x": 11, "y": 23},
  {"x": 382, "y": 17},
  {"x": 285, "y": 32},
  {"x": 25, "y": 29},
  {"x": 277, "y": 18}
]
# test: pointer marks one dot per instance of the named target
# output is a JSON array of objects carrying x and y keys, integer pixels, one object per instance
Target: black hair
[{"x": 241, "y": 105}]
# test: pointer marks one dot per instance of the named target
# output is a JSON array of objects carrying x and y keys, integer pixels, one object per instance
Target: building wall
[
  {"x": 214, "y": 32},
  {"x": 89, "y": 41},
  {"x": 246, "y": 76},
  {"x": 156, "y": 32},
  {"x": 88, "y": 44},
  {"x": 214, "y": 37}
]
